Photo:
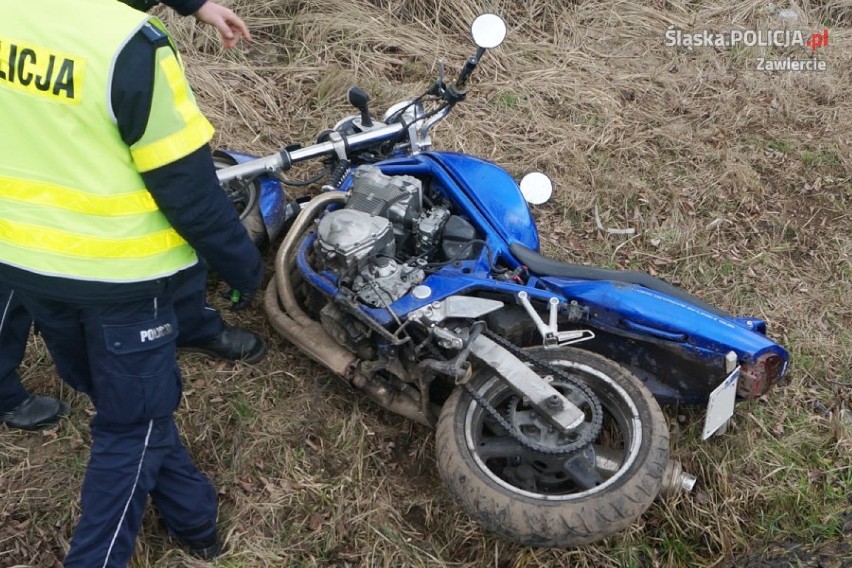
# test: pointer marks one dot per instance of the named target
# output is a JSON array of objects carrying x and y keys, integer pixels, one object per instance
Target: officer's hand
[
  {"x": 242, "y": 295},
  {"x": 240, "y": 300},
  {"x": 231, "y": 27}
]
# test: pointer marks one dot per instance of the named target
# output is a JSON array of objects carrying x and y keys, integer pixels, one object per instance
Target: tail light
[{"x": 758, "y": 377}]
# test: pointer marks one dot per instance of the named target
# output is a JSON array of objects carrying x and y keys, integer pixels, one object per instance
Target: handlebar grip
[{"x": 468, "y": 68}]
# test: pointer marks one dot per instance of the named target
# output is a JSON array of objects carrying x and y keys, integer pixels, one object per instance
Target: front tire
[
  {"x": 245, "y": 196},
  {"x": 525, "y": 496}
]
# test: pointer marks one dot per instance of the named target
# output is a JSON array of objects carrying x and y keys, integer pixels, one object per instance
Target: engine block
[
  {"x": 397, "y": 198},
  {"x": 347, "y": 237},
  {"x": 385, "y": 281},
  {"x": 359, "y": 242}
]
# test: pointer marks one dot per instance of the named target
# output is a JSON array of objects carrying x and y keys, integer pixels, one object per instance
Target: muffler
[{"x": 675, "y": 480}]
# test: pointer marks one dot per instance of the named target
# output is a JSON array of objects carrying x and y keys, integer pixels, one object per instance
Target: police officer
[
  {"x": 204, "y": 330},
  {"x": 107, "y": 190}
]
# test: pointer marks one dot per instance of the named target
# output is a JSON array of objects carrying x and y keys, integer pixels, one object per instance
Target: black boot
[
  {"x": 233, "y": 344},
  {"x": 35, "y": 413},
  {"x": 206, "y": 548}
]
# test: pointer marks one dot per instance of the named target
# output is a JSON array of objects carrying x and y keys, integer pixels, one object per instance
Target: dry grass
[{"x": 739, "y": 188}]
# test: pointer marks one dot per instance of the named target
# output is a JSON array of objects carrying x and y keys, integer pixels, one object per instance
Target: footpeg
[{"x": 549, "y": 331}]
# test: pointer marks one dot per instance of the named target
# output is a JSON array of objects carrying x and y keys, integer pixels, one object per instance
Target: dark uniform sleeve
[
  {"x": 185, "y": 189},
  {"x": 184, "y": 7}
]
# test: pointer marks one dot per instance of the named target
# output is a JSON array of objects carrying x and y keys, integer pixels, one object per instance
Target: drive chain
[{"x": 587, "y": 432}]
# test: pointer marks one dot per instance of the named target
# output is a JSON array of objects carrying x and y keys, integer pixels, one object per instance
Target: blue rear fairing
[
  {"x": 619, "y": 305},
  {"x": 665, "y": 339},
  {"x": 679, "y": 363}
]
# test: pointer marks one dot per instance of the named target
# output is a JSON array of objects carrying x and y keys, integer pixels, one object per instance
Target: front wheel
[
  {"x": 245, "y": 195},
  {"x": 552, "y": 499}
]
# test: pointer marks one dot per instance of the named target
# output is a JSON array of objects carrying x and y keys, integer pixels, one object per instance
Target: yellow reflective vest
[{"x": 72, "y": 201}]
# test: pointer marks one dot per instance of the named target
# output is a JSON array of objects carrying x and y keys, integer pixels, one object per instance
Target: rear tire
[{"x": 525, "y": 496}]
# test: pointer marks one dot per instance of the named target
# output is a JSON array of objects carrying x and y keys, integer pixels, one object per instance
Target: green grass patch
[
  {"x": 780, "y": 146},
  {"x": 820, "y": 158}
]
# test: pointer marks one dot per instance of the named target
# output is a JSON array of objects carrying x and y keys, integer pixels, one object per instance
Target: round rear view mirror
[
  {"x": 536, "y": 188},
  {"x": 488, "y": 30}
]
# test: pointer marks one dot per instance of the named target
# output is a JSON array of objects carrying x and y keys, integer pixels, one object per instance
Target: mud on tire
[{"x": 545, "y": 510}]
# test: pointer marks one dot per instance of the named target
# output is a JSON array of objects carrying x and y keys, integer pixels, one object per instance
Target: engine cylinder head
[
  {"x": 347, "y": 237},
  {"x": 399, "y": 198}
]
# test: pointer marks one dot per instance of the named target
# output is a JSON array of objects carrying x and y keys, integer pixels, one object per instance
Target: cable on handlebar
[{"x": 304, "y": 182}]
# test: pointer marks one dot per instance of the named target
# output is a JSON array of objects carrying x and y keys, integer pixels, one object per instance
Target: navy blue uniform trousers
[
  {"x": 14, "y": 331},
  {"x": 198, "y": 320},
  {"x": 123, "y": 355}
]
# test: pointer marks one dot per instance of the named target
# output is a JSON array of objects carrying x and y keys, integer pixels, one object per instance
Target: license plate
[{"x": 720, "y": 407}]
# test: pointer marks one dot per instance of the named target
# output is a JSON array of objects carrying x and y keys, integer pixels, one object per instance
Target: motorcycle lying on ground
[{"x": 415, "y": 276}]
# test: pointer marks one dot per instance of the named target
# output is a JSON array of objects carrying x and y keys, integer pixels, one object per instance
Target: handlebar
[{"x": 283, "y": 160}]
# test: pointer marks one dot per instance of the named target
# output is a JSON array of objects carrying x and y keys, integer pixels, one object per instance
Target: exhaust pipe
[
  {"x": 291, "y": 321},
  {"x": 297, "y": 327},
  {"x": 311, "y": 338},
  {"x": 674, "y": 479},
  {"x": 285, "y": 259}
]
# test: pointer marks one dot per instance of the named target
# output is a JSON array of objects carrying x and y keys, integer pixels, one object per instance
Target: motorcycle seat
[{"x": 541, "y": 265}]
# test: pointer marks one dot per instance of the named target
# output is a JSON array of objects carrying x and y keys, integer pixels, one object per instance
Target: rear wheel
[
  {"x": 551, "y": 499},
  {"x": 245, "y": 195}
]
